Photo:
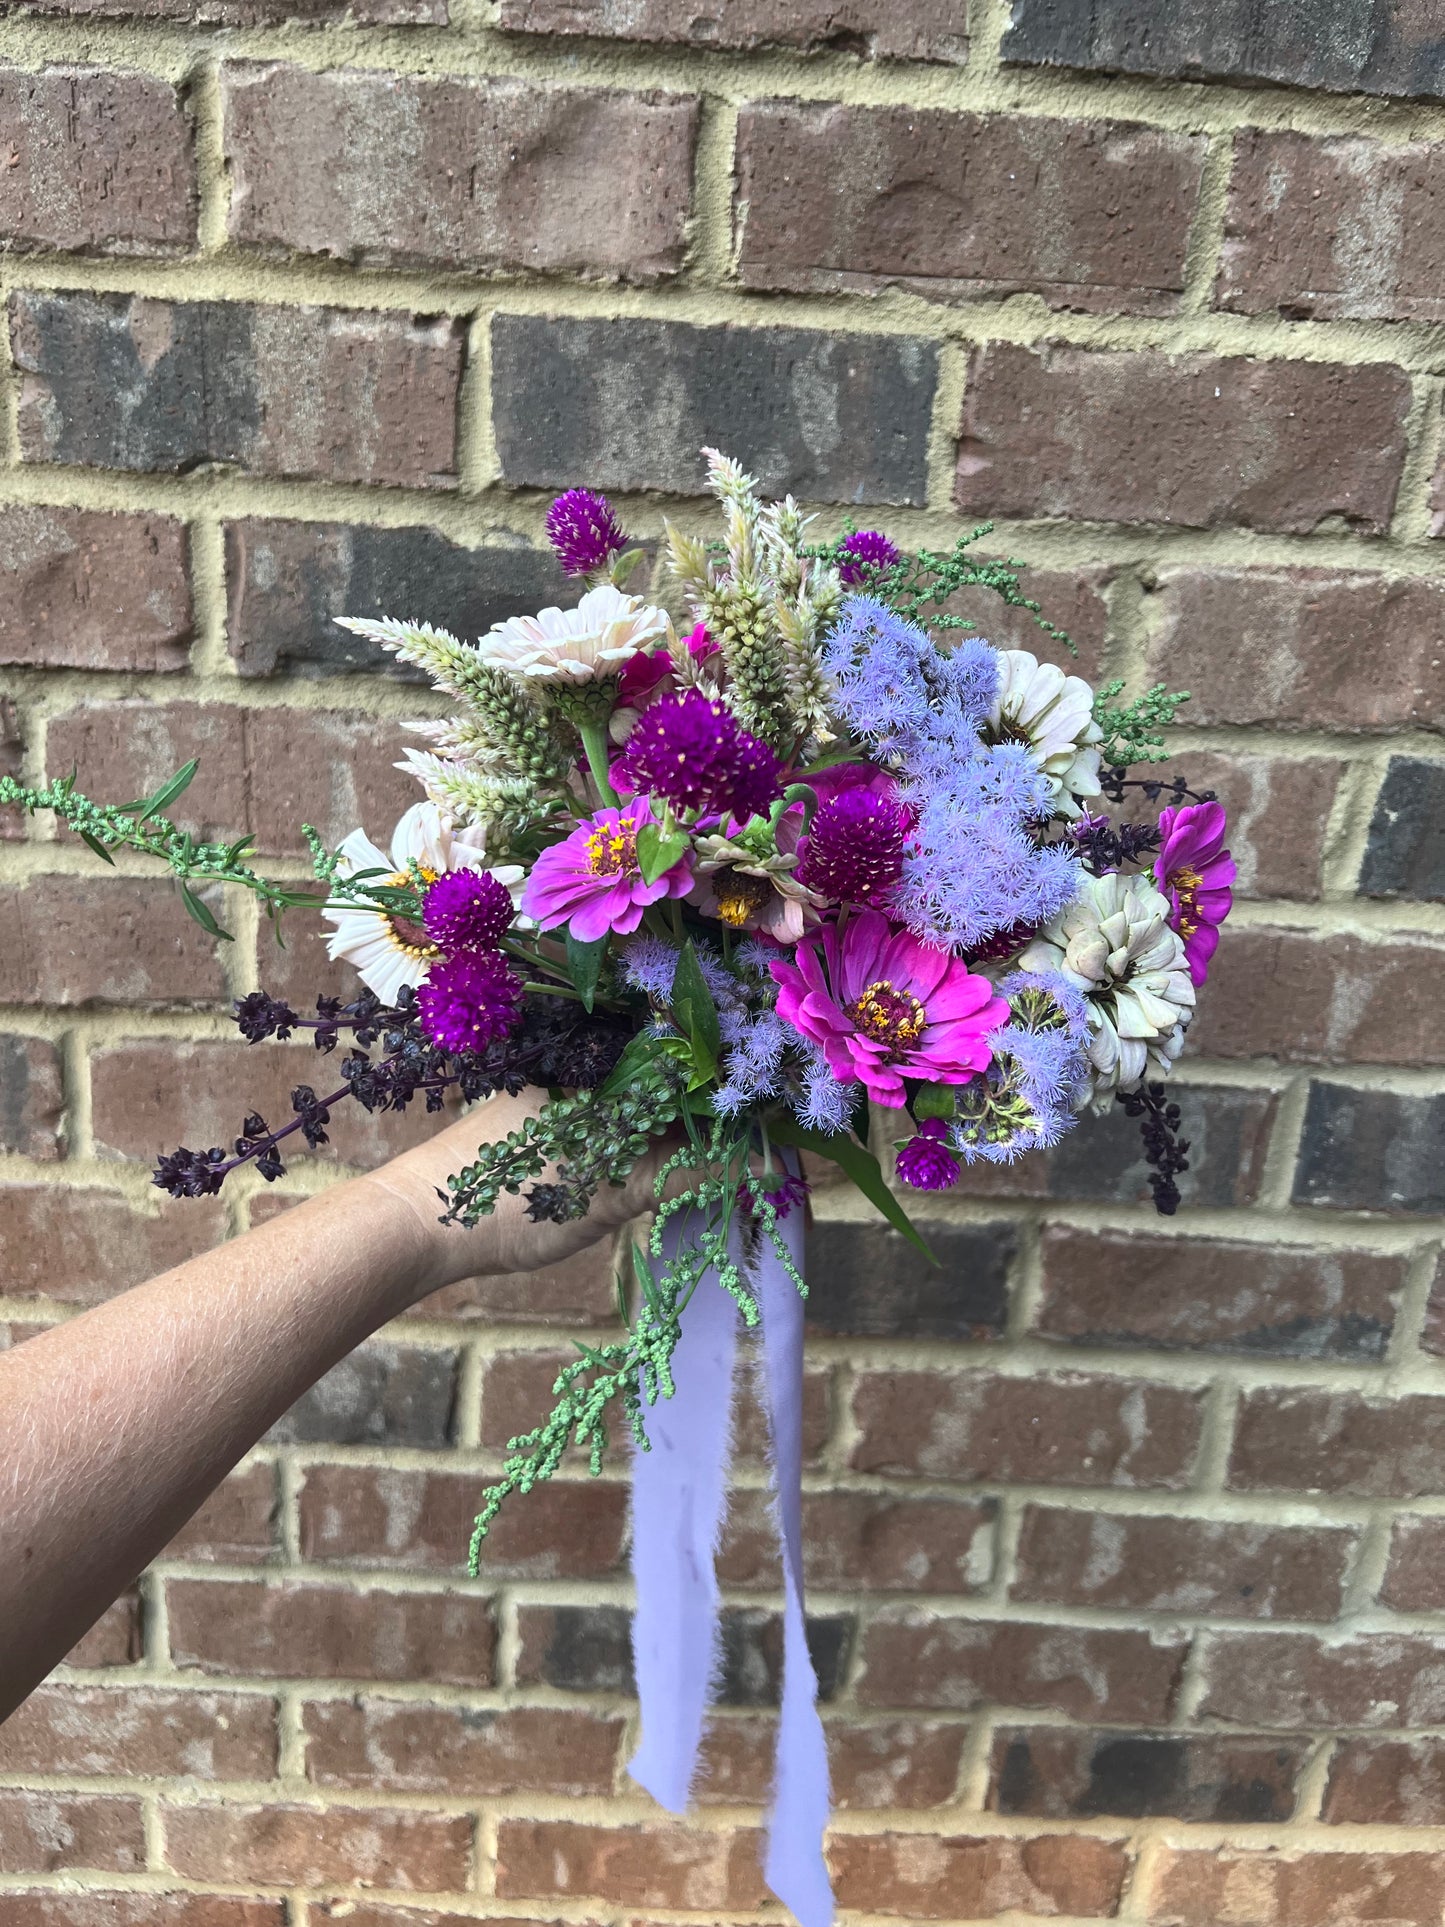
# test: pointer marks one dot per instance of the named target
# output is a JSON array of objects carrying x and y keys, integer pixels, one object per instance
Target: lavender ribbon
[{"x": 678, "y": 1495}]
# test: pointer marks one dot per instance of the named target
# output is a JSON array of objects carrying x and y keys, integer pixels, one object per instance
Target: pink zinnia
[
  {"x": 593, "y": 881},
  {"x": 1194, "y": 870},
  {"x": 885, "y": 1007}
]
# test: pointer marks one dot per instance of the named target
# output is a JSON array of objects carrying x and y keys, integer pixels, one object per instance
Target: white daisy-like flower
[
  {"x": 575, "y": 645},
  {"x": 1052, "y": 715},
  {"x": 1113, "y": 941},
  {"x": 390, "y": 952}
]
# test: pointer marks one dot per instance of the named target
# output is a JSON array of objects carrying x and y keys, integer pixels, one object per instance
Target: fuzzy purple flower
[
  {"x": 470, "y": 1000},
  {"x": 583, "y": 530},
  {"x": 592, "y": 881},
  {"x": 925, "y": 1162},
  {"x": 467, "y": 910},
  {"x": 694, "y": 753},
  {"x": 862, "y": 551},
  {"x": 853, "y": 852}
]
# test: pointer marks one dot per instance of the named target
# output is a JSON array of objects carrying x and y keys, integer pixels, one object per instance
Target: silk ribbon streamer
[{"x": 679, "y": 1494}]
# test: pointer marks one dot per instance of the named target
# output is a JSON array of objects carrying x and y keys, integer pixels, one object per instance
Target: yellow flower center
[
  {"x": 613, "y": 853},
  {"x": 408, "y": 936},
  {"x": 1186, "y": 885},
  {"x": 739, "y": 898},
  {"x": 889, "y": 1016}
]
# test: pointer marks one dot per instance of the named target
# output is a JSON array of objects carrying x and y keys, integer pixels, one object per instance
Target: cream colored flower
[
  {"x": 749, "y": 889},
  {"x": 391, "y": 952},
  {"x": 1052, "y": 715},
  {"x": 1114, "y": 943},
  {"x": 575, "y": 645}
]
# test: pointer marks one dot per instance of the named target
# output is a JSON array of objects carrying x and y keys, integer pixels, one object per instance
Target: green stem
[{"x": 594, "y": 742}]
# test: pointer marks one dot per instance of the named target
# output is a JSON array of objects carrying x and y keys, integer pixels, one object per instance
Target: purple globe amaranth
[
  {"x": 864, "y": 550},
  {"x": 925, "y": 1162},
  {"x": 470, "y": 1000},
  {"x": 693, "y": 753},
  {"x": 584, "y": 531},
  {"x": 853, "y": 852},
  {"x": 467, "y": 910}
]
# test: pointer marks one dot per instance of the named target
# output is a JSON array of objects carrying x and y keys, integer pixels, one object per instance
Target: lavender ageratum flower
[
  {"x": 649, "y": 964},
  {"x": 853, "y": 852},
  {"x": 895, "y": 686},
  {"x": 694, "y": 753},
  {"x": 823, "y": 1104},
  {"x": 467, "y": 910},
  {"x": 470, "y": 1000},
  {"x": 862, "y": 551},
  {"x": 925, "y": 1162},
  {"x": 584, "y": 531}
]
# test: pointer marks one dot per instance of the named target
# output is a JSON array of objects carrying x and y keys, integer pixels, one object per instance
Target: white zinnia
[
  {"x": 1113, "y": 942},
  {"x": 391, "y": 952},
  {"x": 1052, "y": 715},
  {"x": 575, "y": 645}
]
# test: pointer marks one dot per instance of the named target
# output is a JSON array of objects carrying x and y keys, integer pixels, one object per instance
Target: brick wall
[{"x": 1126, "y": 1539}]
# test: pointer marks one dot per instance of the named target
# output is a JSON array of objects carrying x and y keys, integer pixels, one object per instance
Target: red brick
[
  {"x": 885, "y": 1763},
  {"x": 1195, "y": 440},
  {"x": 1432, "y": 1338},
  {"x": 98, "y": 163},
  {"x": 1299, "y": 1439},
  {"x": 399, "y": 171},
  {"x": 1296, "y": 1682},
  {"x": 1067, "y": 1429},
  {"x": 1322, "y": 1000},
  {"x": 32, "y": 1097},
  {"x": 280, "y": 1629},
  {"x": 1075, "y": 600},
  {"x": 1203, "y": 1887},
  {"x": 475, "y": 1752},
  {"x": 952, "y": 1877},
  {"x": 13, "y": 820},
  {"x": 863, "y": 1541},
  {"x": 80, "y": 1246},
  {"x": 1298, "y": 648},
  {"x": 114, "y": 1639},
  {"x": 1279, "y": 810},
  {"x": 1064, "y": 1773},
  {"x": 1342, "y": 228},
  {"x": 126, "y": 382},
  {"x": 422, "y": 1521},
  {"x": 80, "y": 589},
  {"x": 373, "y": 1913},
  {"x": 658, "y": 1866},
  {"x": 45, "y": 1832},
  {"x": 148, "y": 1096},
  {"x": 94, "y": 1909},
  {"x": 751, "y": 1436},
  {"x": 915, "y": 30},
  {"x": 107, "y": 940},
  {"x": 236, "y": 1526},
  {"x": 921, "y": 1660},
  {"x": 316, "y": 1846},
  {"x": 144, "y": 1731},
  {"x": 1088, "y": 214},
  {"x": 1139, "y": 1563},
  {"x": 1216, "y": 1294},
  {"x": 1414, "y": 1579},
  {"x": 1395, "y": 1783}
]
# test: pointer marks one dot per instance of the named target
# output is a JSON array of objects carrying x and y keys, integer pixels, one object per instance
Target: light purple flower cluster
[
  {"x": 1045, "y": 1063},
  {"x": 584, "y": 531},
  {"x": 896, "y": 687}
]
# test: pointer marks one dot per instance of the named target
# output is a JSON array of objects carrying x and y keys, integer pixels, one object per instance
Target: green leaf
[
  {"x": 858, "y": 1164},
  {"x": 622, "y": 566},
  {"x": 96, "y": 845},
  {"x": 584, "y": 963},
  {"x": 167, "y": 793},
  {"x": 202, "y": 915},
  {"x": 694, "y": 1011},
  {"x": 657, "y": 853},
  {"x": 638, "y": 1051},
  {"x": 830, "y": 758}
]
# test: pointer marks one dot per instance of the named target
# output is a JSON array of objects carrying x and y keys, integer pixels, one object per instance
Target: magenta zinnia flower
[
  {"x": 1194, "y": 870},
  {"x": 865, "y": 549},
  {"x": 853, "y": 852},
  {"x": 884, "y": 1006},
  {"x": 690, "y": 750},
  {"x": 925, "y": 1162},
  {"x": 470, "y": 1000},
  {"x": 467, "y": 910},
  {"x": 593, "y": 881},
  {"x": 583, "y": 530}
]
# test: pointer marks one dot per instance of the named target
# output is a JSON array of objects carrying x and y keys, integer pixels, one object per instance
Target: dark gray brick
[
  {"x": 1391, "y": 47},
  {"x": 380, "y": 1395},
  {"x": 868, "y": 1281},
  {"x": 752, "y": 1655},
  {"x": 1056, "y": 1774},
  {"x": 1405, "y": 854},
  {"x": 1372, "y": 1151},
  {"x": 289, "y": 581},
  {"x": 628, "y": 404}
]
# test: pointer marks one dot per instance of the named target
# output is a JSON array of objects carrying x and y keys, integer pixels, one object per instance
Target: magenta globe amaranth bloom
[
  {"x": 470, "y": 1000},
  {"x": 584, "y": 531},
  {"x": 593, "y": 881},
  {"x": 689, "y": 750},
  {"x": 884, "y": 1006},
  {"x": 853, "y": 852},
  {"x": 865, "y": 550},
  {"x": 925, "y": 1162},
  {"x": 1195, "y": 871},
  {"x": 467, "y": 910}
]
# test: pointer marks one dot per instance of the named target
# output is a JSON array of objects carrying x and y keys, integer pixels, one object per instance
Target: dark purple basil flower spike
[
  {"x": 862, "y": 551},
  {"x": 584, "y": 531}
]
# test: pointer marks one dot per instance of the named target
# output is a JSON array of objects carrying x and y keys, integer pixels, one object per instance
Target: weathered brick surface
[
  {"x": 236, "y": 1526},
  {"x": 114, "y": 1639},
  {"x": 103, "y": 940},
  {"x": 380, "y": 1395},
  {"x": 656, "y": 1866},
  {"x": 1414, "y": 1579},
  {"x": 85, "y": 590},
  {"x": 841, "y": 418},
  {"x": 1370, "y": 1150},
  {"x": 1386, "y": 1782},
  {"x": 1291, "y": 1680},
  {"x": 1405, "y": 855},
  {"x": 113, "y": 381},
  {"x": 252, "y": 13},
  {"x": 399, "y": 171},
  {"x": 143, "y": 1731},
  {"x": 101, "y": 1909},
  {"x": 931, "y": 30},
  {"x": 304, "y": 1846},
  {"x": 45, "y": 1832},
  {"x": 874, "y": 1284},
  {"x": 1194, "y": 1887},
  {"x": 1303, "y": 1439},
  {"x": 12, "y": 750},
  {"x": 1195, "y": 440},
  {"x": 32, "y": 1097},
  {"x": 1279, "y": 812},
  {"x": 377, "y": 1743},
  {"x": 82, "y": 1245},
  {"x": 1059, "y": 1774},
  {"x": 954, "y": 1877},
  {"x": 880, "y": 1763},
  {"x": 863, "y": 1540},
  {"x": 859, "y": 198},
  {"x": 102, "y": 163}
]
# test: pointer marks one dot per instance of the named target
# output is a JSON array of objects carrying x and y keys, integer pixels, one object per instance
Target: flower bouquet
[{"x": 798, "y": 866}]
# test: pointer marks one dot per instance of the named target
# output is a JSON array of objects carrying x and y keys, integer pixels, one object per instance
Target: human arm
[{"x": 116, "y": 1426}]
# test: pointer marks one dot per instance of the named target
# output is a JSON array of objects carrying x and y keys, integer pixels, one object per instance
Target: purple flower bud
[
  {"x": 583, "y": 530},
  {"x": 864, "y": 550},
  {"x": 853, "y": 852},
  {"x": 925, "y": 1163}
]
